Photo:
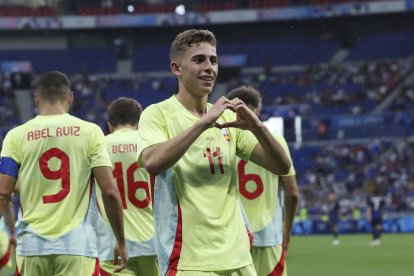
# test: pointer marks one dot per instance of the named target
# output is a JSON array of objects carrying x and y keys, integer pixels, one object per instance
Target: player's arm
[
  {"x": 113, "y": 208},
  {"x": 159, "y": 157},
  {"x": 6, "y": 189},
  {"x": 10, "y": 221},
  {"x": 268, "y": 153},
  {"x": 291, "y": 193},
  {"x": 8, "y": 175}
]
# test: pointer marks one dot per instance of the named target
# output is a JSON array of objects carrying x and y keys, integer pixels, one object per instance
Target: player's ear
[
  {"x": 110, "y": 127},
  {"x": 36, "y": 98},
  {"x": 70, "y": 99},
  {"x": 175, "y": 68}
]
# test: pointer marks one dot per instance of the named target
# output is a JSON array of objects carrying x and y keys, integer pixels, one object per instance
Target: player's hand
[
  {"x": 120, "y": 251},
  {"x": 246, "y": 119},
  {"x": 216, "y": 110},
  {"x": 286, "y": 240}
]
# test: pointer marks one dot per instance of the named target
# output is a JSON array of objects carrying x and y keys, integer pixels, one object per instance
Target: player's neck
[
  {"x": 125, "y": 127},
  {"x": 195, "y": 105},
  {"x": 47, "y": 109}
]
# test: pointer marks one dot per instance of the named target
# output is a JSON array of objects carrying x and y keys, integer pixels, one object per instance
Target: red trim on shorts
[
  {"x": 104, "y": 273},
  {"x": 176, "y": 252},
  {"x": 97, "y": 271},
  {"x": 6, "y": 257},
  {"x": 280, "y": 267}
]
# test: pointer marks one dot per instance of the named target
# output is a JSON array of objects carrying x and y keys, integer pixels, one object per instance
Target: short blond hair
[{"x": 188, "y": 39}]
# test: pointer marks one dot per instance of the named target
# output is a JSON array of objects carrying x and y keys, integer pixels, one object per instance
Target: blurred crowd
[
  {"x": 351, "y": 171},
  {"x": 9, "y": 113},
  {"x": 350, "y": 87},
  {"x": 355, "y": 171}
]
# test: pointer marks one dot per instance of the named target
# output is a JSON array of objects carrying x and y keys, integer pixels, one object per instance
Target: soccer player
[
  {"x": 376, "y": 205},
  {"x": 53, "y": 156},
  {"x": 261, "y": 196},
  {"x": 136, "y": 188},
  {"x": 191, "y": 147},
  {"x": 333, "y": 217}
]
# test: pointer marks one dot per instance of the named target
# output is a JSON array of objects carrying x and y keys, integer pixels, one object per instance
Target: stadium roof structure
[{"x": 205, "y": 18}]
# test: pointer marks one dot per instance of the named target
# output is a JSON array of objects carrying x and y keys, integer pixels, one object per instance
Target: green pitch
[
  {"x": 354, "y": 256},
  {"x": 315, "y": 256}
]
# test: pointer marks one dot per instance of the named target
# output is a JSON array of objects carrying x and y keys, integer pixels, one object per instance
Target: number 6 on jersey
[{"x": 132, "y": 185}]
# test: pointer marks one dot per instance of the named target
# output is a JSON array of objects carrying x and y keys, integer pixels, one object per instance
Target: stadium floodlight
[
  {"x": 275, "y": 125},
  {"x": 130, "y": 8},
  {"x": 180, "y": 9},
  {"x": 298, "y": 129}
]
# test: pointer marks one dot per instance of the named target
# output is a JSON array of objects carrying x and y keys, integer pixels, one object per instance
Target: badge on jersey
[{"x": 226, "y": 134}]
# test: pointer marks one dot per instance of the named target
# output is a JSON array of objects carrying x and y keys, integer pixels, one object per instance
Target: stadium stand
[
  {"x": 72, "y": 61},
  {"x": 357, "y": 113},
  {"x": 278, "y": 52},
  {"x": 398, "y": 44}
]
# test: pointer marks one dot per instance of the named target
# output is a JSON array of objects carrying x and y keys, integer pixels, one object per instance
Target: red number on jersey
[
  {"x": 62, "y": 173},
  {"x": 132, "y": 185},
  {"x": 118, "y": 174},
  {"x": 210, "y": 156},
  {"x": 244, "y": 178}
]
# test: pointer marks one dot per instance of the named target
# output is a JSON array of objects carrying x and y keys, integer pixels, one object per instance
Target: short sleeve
[
  {"x": 246, "y": 142},
  {"x": 10, "y": 158},
  {"x": 152, "y": 128},
  {"x": 10, "y": 148},
  {"x": 98, "y": 147}
]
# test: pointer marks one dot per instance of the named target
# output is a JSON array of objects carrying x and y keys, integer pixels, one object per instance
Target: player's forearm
[
  {"x": 7, "y": 184},
  {"x": 291, "y": 205},
  {"x": 162, "y": 156},
  {"x": 113, "y": 209},
  {"x": 3, "y": 203},
  {"x": 291, "y": 200},
  {"x": 9, "y": 217},
  {"x": 275, "y": 158}
]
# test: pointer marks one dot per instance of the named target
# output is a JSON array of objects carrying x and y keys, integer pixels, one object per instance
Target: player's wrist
[
  {"x": 205, "y": 124},
  {"x": 258, "y": 127},
  {"x": 121, "y": 243}
]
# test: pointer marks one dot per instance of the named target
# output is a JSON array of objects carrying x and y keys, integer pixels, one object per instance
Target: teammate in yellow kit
[
  {"x": 54, "y": 156},
  {"x": 269, "y": 219},
  {"x": 136, "y": 188}
]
